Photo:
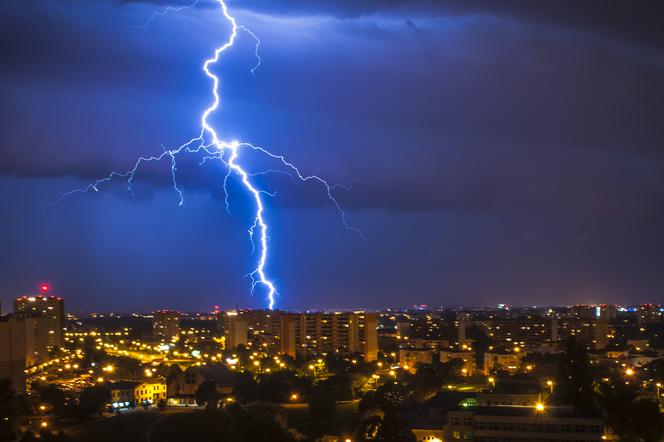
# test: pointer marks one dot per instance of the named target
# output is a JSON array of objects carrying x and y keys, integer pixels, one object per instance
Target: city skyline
[
  {"x": 44, "y": 293},
  {"x": 494, "y": 154},
  {"x": 331, "y": 221}
]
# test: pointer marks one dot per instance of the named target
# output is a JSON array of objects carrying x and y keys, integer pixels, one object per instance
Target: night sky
[{"x": 498, "y": 152}]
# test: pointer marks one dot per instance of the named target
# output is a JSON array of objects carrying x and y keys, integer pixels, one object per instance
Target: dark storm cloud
[
  {"x": 457, "y": 113},
  {"x": 498, "y": 151},
  {"x": 640, "y": 24},
  {"x": 481, "y": 114}
]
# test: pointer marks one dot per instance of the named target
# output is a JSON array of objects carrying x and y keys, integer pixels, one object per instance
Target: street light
[
  {"x": 375, "y": 377},
  {"x": 550, "y": 384},
  {"x": 539, "y": 406},
  {"x": 629, "y": 372}
]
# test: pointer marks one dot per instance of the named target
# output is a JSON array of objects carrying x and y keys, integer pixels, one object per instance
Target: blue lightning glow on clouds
[
  {"x": 164, "y": 11},
  {"x": 227, "y": 152}
]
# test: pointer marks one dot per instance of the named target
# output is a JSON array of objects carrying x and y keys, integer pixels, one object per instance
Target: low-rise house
[
  {"x": 123, "y": 394},
  {"x": 510, "y": 362},
  {"x": 468, "y": 358},
  {"x": 487, "y": 424},
  {"x": 151, "y": 392},
  {"x": 182, "y": 387}
]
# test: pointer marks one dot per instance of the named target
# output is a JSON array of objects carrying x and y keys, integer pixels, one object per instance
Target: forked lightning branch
[{"x": 228, "y": 152}]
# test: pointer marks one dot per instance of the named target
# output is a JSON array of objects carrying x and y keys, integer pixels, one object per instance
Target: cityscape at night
[{"x": 337, "y": 221}]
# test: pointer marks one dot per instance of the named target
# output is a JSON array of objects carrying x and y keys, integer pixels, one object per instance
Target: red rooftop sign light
[{"x": 44, "y": 288}]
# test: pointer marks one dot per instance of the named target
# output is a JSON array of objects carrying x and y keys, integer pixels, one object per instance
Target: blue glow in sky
[{"x": 504, "y": 153}]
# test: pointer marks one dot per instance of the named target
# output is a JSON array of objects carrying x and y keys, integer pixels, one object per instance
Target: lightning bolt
[
  {"x": 228, "y": 153},
  {"x": 167, "y": 10}
]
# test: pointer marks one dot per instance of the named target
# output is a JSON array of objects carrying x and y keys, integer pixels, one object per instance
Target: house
[
  {"x": 150, "y": 392},
  {"x": 182, "y": 387},
  {"x": 123, "y": 394}
]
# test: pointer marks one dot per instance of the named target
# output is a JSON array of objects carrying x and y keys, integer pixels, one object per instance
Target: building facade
[
  {"x": 24, "y": 342},
  {"x": 50, "y": 307},
  {"x": 304, "y": 334},
  {"x": 519, "y": 424},
  {"x": 165, "y": 325},
  {"x": 338, "y": 332},
  {"x": 468, "y": 358},
  {"x": 510, "y": 362},
  {"x": 150, "y": 392}
]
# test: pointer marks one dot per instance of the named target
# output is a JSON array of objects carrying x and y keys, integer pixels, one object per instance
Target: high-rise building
[
  {"x": 649, "y": 313},
  {"x": 601, "y": 312},
  {"x": 50, "y": 307},
  {"x": 236, "y": 329},
  {"x": 306, "y": 334},
  {"x": 462, "y": 321},
  {"x": 24, "y": 342},
  {"x": 594, "y": 332},
  {"x": 165, "y": 325},
  {"x": 285, "y": 339},
  {"x": 338, "y": 332}
]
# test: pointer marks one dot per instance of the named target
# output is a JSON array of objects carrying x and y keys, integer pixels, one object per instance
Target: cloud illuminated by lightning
[
  {"x": 228, "y": 153},
  {"x": 164, "y": 11}
]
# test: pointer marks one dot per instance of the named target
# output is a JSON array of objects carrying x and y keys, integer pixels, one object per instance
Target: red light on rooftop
[{"x": 44, "y": 288}]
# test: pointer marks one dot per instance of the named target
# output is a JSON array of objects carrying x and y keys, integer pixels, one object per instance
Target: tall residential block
[
  {"x": 166, "y": 325},
  {"x": 337, "y": 332},
  {"x": 24, "y": 342},
  {"x": 306, "y": 334},
  {"x": 50, "y": 307}
]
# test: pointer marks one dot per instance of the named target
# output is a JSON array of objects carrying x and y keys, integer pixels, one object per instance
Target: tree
[
  {"x": 322, "y": 406},
  {"x": 340, "y": 386},
  {"x": 258, "y": 422},
  {"x": 275, "y": 387},
  {"x": 648, "y": 420},
  {"x": 426, "y": 383},
  {"x": 49, "y": 436},
  {"x": 92, "y": 401},
  {"x": 8, "y": 411},
  {"x": 391, "y": 427},
  {"x": 394, "y": 428},
  {"x": 207, "y": 394},
  {"x": 630, "y": 418},
  {"x": 575, "y": 380},
  {"x": 368, "y": 428},
  {"x": 245, "y": 388},
  {"x": 53, "y": 396},
  {"x": 389, "y": 396},
  {"x": 481, "y": 342}
]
